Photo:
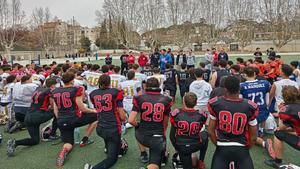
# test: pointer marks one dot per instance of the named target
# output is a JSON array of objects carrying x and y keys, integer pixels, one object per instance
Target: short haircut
[
  {"x": 25, "y": 78},
  {"x": 50, "y": 81},
  {"x": 236, "y": 68},
  {"x": 294, "y": 64},
  {"x": 241, "y": 60},
  {"x": 10, "y": 79},
  {"x": 73, "y": 70},
  {"x": 232, "y": 84},
  {"x": 202, "y": 64},
  {"x": 156, "y": 70},
  {"x": 105, "y": 68},
  {"x": 190, "y": 100},
  {"x": 130, "y": 74},
  {"x": 117, "y": 69},
  {"x": 130, "y": 66},
  {"x": 56, "y": 70},
  {"x": 198, "y": 73},
  {"x": 286, "y": 70},
  {"x": 249, "y": 71},
  {"x": 65, "y": 67},
  {"x": 95, "y": 67},
  {"x": 135, "y": 66},
  {"x": 290, "y": 94},
  {"x": 183, "y": 65},
  {"x": 223, "y": 63},
  {"x": 111, "y": 67},
  {"x": 230, "y": 63},
  {"x": 104, "y": 81},
  {"x": 192, "y": 72},
  {"x": 67, "y": 77},
  {"x": 152, "y": 83}
]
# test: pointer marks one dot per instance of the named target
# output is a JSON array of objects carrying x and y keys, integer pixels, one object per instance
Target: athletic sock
[
  {"x": 143, "y": 153},
  {"x": 278, "y": 160}
]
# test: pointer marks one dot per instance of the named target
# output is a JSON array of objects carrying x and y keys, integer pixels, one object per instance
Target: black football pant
[
  {"x": 228, "y": 157},
  {"x": 185, "y": 151},
  {"x": 33, "y": 120},
  {"x": 112, "y": 140},
  {"x": 123, "y": 67},
  {"x": 172, "y": 92},
  {"x": 290, "y": 139},
  {"x": 182, "y": 89},
  {"x": 156, "y": 145},
  {"x": 67, "y": 125}
]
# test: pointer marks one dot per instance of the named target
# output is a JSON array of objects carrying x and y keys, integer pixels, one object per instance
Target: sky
[{"x": 82, "y": 10}]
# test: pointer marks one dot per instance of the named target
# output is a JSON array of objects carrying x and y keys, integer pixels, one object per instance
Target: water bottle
[
  {"x": 0, "y": 138},
  {"x": 77, "y": 135}
]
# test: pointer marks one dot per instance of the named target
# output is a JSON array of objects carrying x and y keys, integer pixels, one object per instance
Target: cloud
[{"x": 82, "y": 10}]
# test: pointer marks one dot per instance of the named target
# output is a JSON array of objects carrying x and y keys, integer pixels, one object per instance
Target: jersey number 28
[{"x": 153, "y": 112}]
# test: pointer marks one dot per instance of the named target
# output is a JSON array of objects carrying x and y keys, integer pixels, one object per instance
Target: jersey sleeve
[
  {"x": 79, "y": 91},
  {"x": 120, "y": 97},
  {"x": 135, "y": 106},
  {"x": 253, "y": 113},
  {"x": 210, "y": 106},
  {"x": 173, "y": 115},
  {"x": 203, "y": 117},
  {"x": 168, "y": 106}
]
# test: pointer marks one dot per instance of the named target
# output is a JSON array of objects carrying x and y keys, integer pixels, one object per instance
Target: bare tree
[
  {"x": 47, "y": 33},
  {"x": 11, "y": 22}
]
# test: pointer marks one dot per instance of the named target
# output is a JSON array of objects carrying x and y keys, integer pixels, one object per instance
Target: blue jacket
[{"x": 163, "y": 60}]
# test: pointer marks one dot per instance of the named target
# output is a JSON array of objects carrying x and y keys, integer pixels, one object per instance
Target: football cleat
[
  {"x": 272, "y": 163},
  {"x": 61, "y": 157},
  {"x": 269, "y": 148},
  {"x": 11, "y": 147},
  {"x": 124, "y": 147},
  {"x": 86, "y": 141}
]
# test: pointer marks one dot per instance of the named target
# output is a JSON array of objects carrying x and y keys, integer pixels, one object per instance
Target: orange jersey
[
  {"x": 271, "y": 66},
  {"x": 278, "y": 62}
]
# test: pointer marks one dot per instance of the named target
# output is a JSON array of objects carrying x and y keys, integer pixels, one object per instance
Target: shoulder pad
[
  {"x": 213, "y": 100},
  {"x": 175, "y": 112}
]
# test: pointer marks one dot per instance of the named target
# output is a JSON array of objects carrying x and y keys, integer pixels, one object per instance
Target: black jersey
[
  {"x": 154, "y": 59},
  {"x": 220, "y": 74},
  {"x": 170, "y": 83},
  {"x": 40, "y": 99},
  {"x": 188, "y": 125},
  {"x": 65, "y": 99},
  {"x": 147, "y": 72},
  {"x": 233, "y": 118},
  {"x": 106, "y": 102},
  {"x": 290, "y": 115},
  {"x": 182, "y": 75},
  {"x": 206, "y": 75},
  {"x": 152, "y": 107}
]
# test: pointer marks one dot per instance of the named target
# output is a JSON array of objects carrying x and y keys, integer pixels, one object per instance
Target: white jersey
[
  {"x": 161, "y": 79},
  {"x": 279, "y": 86},
  {"x": 37, "y": 78},
  {"x": 116, "y": 80},
  {"x": 140, "y": 77},
  {"x": 92, "y": 81},
  {"x": 3, "y": 79},
  {"x": 7, "y": 93},
  {"x": 22, "y": 94},
  {"x": 202, "y": 89},
  {"x": 130, "y": 88}
]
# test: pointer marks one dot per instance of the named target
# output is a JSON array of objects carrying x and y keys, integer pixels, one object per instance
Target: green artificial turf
[{"x": 43, "y": 156}]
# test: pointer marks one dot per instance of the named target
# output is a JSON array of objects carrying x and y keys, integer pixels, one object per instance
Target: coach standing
[{"x": 124, "y": 65}]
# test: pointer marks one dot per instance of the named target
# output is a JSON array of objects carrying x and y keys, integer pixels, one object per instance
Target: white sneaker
[
  {"x": 128, "y": 125},
  {"x": 88, "y": 166}
]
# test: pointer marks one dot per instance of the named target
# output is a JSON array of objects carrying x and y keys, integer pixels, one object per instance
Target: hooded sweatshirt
[{"x": 202, "y": 89}]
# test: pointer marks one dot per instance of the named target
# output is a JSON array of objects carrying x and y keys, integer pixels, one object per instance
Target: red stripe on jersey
[
  {"x": 295, "y": 122},
  {"x": 172, "y": 121},
  {"x": 118, "y": 119},
  {"x": 211, "y": 111},
  {"x": 45, "y": 104},
  {"x": 135, "y": 105},
  {"x": 79, "y": 93}
]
